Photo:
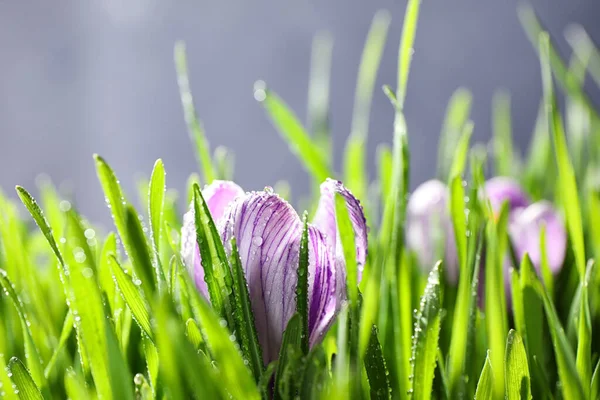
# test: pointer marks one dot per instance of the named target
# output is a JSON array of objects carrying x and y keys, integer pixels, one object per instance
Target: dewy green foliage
[{"x": 89, "y": 314}]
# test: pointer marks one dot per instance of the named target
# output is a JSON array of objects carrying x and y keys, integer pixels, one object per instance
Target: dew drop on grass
[{"x": 223, "y": 323}]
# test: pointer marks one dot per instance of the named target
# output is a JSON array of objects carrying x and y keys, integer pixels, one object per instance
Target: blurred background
[{"x": 78, "y": 78}]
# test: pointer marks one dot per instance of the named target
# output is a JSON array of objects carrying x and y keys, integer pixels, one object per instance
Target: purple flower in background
[
  {"x": 525, "y": 224},
  {"x": 429, "y": 231},
  {"x": 268, "y": 232}
]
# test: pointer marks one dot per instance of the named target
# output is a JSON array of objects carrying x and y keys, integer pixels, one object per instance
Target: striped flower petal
[
  {"x": 268, "y": 232},
  {"x": 218, "y": 195},
  {"x": 325, "y": 220}
]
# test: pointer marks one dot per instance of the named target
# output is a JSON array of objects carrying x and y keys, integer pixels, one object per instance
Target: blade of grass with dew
[
  {"x": 32, "y": 354},
  {"x": 584, "y": 337},
  {"x": 217, "y": 273},
  {"x": 457, "y": 114},
  {"x": 156, "y": 203},
  {"x": 291, "y": 344},
  {"x": 516, "y": 369},
  {"x": 462, "y": 150},
  {"x": 565, "y": 360},
  {"x": 495, "y": 299},
  {"x": 142, "y": 388},
  {"x": 426, "y": 336},
  {"x": 236, "y": 376},
  {"x": 194, "y": 126},
  {"x": 193, "y": 333},
  {"x": 302, "y": 305},
  {"x": 318, "y": 91},
  {"x": 129, "y": 290},
  {"x": 485, "y": 385},
  {"x": 567, "y": 181},
  {"x": 504, "y": 155},
  {"x": 458, "y": 344},
  {"x": 247, "y": 333},
  {"x": 126, "y": 220},
  {"x": 25, "y": 387},
  {"x": 355, "y": 172},
  {"x": 376, "y": 369},
  {"x": 292, "y": 131}
]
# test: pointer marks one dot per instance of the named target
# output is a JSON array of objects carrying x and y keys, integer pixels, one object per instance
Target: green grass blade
[
  {"x": 584, "y": 337},
  {"x": 595, "y": 386},
  {"x": 290, "y": 346},
  {"x": 565, "y": 359},
  {"x": 516, "y": 369},
  {"x": 195, "y": 128},
  {"x": 585, "y": 49},
  {"x": 156, "y": 202},
  {"x": 292, "y": 131},
  {"x": 375, "y": 366},
  {"x": 318, "y": 91},
  {"x": 237, "y": 377},
  {"x": 409, "y": 29},
  {"x": 567, "y": 181},
  {"x": 302, "y": 305},
  {"x": 214, "y": 260},
  {"x": 129, "y": 289},
  {"x": 38, "y": 216},
  {"x": 66, "y": 331},
  {"x": 193, "y": 333},
  {"x": 485, "y": 385},
  {"x": 504, "y": 155},
  {"x": 25, "y": 387},
  {"x": 457, "y": 114},
  {"x": 247, "y": 333},
  {"x": 461, "y": 153},
  {"x": 139, "y": 253},
  {"x": 355, "y": 172},
  {"x": 426, "y": 337},
  {"x": 32, "y": 354},
  {"x": 458, "y": 343}
]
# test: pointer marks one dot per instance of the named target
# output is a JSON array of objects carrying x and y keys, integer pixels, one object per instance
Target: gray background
[{"x": 79, "y": 77}]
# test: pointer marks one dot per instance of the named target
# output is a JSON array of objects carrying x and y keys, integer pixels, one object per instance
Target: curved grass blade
[
  {"x": 595, "y": 386},
  {"x": 567, "y": 181},
  {"x": 485, "y": 386},
  {"x": 25, "y": 386},
  {"x": 244, "y": 317},
  {"x": 354, "y": 156},
  {"x": 193, "y": 333},
  {"x": 32, "y": 354},
  {"x": 426, "y": 337},
  {"x": 516, "y": 369},
  {"x": 292, "y": 131},
  {"x": 195, "y": 128},
  {"x": 302, "y": 286},
  {"x": 584, "y": 337},
  {"x": 134, "y": 299},
  {"x": 376, "y": 369}
]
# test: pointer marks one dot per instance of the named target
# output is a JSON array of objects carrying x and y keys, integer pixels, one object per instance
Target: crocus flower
[
  {"x": 525, "y": 223},
  {"x": 429, "y": 231},
  {"x": 268, "y": 232}
]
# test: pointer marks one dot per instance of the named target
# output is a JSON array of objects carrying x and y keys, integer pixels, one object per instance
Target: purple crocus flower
[
  {"x": 268, "y": 232},
  {"x": 525, "y": 223},
  {"x": 429, "y": 231}
]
